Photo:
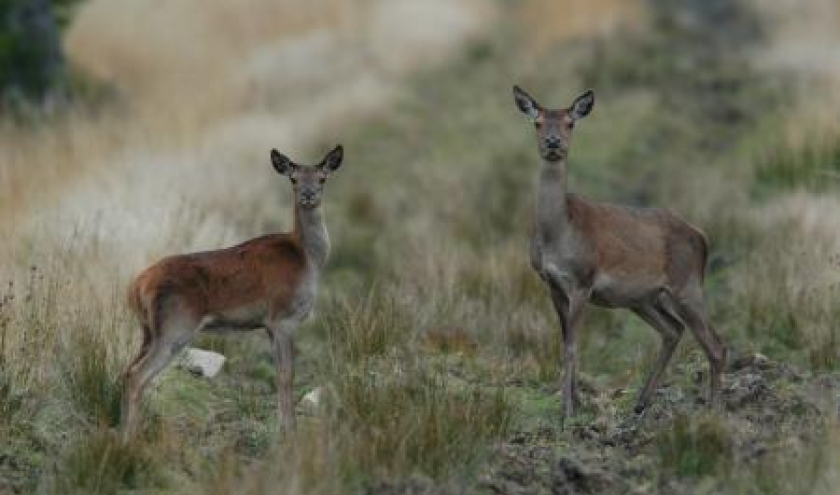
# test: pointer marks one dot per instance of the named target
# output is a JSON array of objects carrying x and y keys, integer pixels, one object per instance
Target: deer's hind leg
[
  {"x": 692, "y": 310},
  {"x": 143, "y": 352},
  {"x": 173, "y": 336},
  {"x": 670, "y": 330}
]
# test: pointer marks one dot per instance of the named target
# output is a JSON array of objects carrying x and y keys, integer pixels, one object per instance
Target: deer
[
  {"x": 268, "y": 282},
  {"x": 647, "y": 260}
]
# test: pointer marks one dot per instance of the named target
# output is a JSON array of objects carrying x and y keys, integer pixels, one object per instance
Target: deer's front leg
[
  {"x": 569, "y": 304},
  {"x": 281, "y": 337}
]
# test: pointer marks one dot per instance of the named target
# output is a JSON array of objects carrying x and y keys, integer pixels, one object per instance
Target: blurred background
[{"x": 134, "y": 129}]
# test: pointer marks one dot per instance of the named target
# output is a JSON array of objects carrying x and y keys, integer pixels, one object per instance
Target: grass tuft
[
  {"x": 368, "y": 326},
  {"x": 101, "y": 463},
  {"x": 696, "y": 446},
  {"x": 92, "y": 378},
  {"x": 814, "y": 166},
  {"x": 410, "y": 418}
]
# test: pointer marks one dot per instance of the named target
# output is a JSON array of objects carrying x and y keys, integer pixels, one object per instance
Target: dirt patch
[{"x": 632, "y": 451}]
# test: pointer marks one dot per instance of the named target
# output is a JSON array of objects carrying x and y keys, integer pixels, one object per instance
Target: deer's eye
[{"x": 294, "y": 181}]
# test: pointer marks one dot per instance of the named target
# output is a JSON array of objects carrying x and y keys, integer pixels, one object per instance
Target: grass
[
  {"x": 92, "y": 378},
  {"x": 814, "y": 166},
  {"x": 699, "y": 446},
  {"x": 101, "y": 463},
  {"x": 398, "y": 409}
]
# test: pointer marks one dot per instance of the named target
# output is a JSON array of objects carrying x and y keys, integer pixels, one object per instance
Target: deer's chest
[
  {"x": 303, "y": 300},
  {"x": 560, "y": 258}
]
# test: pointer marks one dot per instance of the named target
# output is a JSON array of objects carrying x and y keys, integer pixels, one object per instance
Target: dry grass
[{"x": 549, "y": 22}]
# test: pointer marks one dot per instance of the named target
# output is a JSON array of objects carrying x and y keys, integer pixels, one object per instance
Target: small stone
[
  {"x": 312, "y": 400},
  {"x": 202, "y": 363}
]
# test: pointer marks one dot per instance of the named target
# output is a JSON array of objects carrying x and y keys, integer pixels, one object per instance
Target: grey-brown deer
[
  {"x": 647, "y": 260},
  {"x": 268, "y": 282}
]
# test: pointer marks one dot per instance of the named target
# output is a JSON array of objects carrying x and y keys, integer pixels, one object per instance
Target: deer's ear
[
  {"x": 526, "y": 103},
  {"x": 583, "y": 105},
  {"x": 333, "y": 159},
  {"x": 281, "y": 163}
]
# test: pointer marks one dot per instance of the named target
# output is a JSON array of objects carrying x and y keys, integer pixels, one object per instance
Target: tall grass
[
  {"x": 814, "y": 166},
  {"x": 784, "y": 294},
  {"x": 397, "y": 407}
]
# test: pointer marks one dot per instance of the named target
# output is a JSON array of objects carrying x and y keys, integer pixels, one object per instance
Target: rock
[
  {"x": 316, "y": 400},
  {"x": 202, "y": 363},
  {"x": 312, "y": 400},
  {"x": 755, "y": 360}
]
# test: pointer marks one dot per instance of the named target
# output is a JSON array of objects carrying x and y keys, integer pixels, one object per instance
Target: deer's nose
[{"x": 552, "y": 143}]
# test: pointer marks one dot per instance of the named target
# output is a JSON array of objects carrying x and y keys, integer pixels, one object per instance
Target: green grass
[
  {"x": 396, "y": 407},
  {"x": 696, "y": 446},
  {"x": 814, "y": 166},
  {"x": 92, "y": 376},
  {"x": 100, "y": 463}
]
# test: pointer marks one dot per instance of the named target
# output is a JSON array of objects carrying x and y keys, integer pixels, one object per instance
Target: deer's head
[
  {"x": 308, "y": 180},
  {"x": 554, "y": 127}
]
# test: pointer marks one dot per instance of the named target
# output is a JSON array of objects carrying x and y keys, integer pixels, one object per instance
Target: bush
[{"x": 31, "y": 58}]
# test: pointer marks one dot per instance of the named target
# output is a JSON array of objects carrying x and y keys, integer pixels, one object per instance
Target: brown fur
[
  {"x": 268, "y": 268},
  {"x": 664, "y": 249}
]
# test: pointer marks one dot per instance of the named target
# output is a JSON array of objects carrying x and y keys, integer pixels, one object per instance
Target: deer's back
[
  {"x": 259, "y": 274},
  {"x": 633, "y": 250}
]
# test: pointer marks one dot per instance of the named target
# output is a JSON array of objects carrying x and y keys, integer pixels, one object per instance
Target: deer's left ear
[
  {"x": 582, "y": 105},
  {"x": 333, "y": 159}
]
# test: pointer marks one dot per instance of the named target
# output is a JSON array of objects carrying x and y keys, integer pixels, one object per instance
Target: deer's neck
[
  {"x": 311, "y": 230},
  {"x": 552, "y": 214}
]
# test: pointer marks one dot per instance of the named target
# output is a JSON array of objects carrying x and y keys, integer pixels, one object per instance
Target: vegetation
[
  {"x": 31, "y": 60},
  {"x": 434, "y": 345}
]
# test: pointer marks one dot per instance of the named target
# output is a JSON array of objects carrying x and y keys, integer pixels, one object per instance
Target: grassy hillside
[{"x": 434, "y": 341}]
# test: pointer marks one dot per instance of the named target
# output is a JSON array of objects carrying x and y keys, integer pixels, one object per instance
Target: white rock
[
  {"x": 201, "y": 362},
  {"x": 314, "y": 400}
]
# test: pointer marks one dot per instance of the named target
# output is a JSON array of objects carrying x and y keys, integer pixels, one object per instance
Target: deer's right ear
[
  {"x": 281, "y": 163},
  {"x": 526, "y": 103}
]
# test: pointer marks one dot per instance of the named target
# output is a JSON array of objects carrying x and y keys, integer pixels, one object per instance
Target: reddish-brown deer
[
  {"x": 647, "y": 260},
  {"x": 268, "y": 282}
]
